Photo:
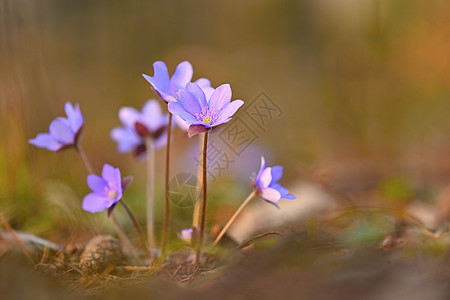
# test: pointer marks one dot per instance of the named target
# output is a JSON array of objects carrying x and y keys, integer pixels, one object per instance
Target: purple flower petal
[
  {"x": 45, "y": 140},
  {"x": 266, "y": 178},
  {"x": 278, "y": 187},
  {"x": 186, "y": 235},
  {"x": 166, "y": 97},
  {"x": 205, "y": 85},
  {"x": 128, "y": 116},
  {"x": 61, "y": 132},
  {"x": 277, "y": 173},
  {"x": 271, "y": 195},
  {"x": 160, "y": 80},
  {"x": 221, "y": 97},
  {"x": 289, "y": 197},
  {"x": 112, "y": 176},
  {"x": 152, "y": 114},
  {"x": 177, "y": 108},
  {"x": 126, "y": 139},
  {"x": 94, "y": 203},
  {"x": 261, "y": 168},
  {"x": 198, "y": 93},
  {"x": 74, "y": 116},
  {"x": 183, "y": 74},
  {"x": 187, "y": 107},
  {"x": 203, "y": 82},
  {"x": 229, "y": 110},
  {"x": 97, "y": 184}
]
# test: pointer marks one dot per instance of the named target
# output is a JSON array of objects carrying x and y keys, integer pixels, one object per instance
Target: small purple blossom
[
  {"x": 202, "y": 110},
  {"x": 186, "y": 235},
  {"x": 267, "y": 186},
  {"x": 107, "y": 190},
  {"x": 167, "y": 88},
  {"x": 63, "y": 132},
  {"x": 151, "y": 123}
]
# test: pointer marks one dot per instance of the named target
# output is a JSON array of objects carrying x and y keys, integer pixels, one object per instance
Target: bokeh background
[{"x": 364, "y": 86}]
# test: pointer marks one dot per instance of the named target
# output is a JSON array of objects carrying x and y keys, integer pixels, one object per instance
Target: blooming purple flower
[
  {"x": 63, "y": 132},
  {"x": 107, "y": 190},
  {"x": 151, "y": 123},
  {"x": 196, "y": 108},
  {"x": 167, "y": 88},
  {"x": 267, "y": 186},
  {"x": 186, "y": 235}
]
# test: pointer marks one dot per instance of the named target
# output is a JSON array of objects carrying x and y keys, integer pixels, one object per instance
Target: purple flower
[
  {"x": 267, "y": 186},
  {"x": 63, "y": 132},
  {"x": 151, "y": 123},
  {"x": 186, "y": 235},
  {"x": 167, "y": 88},
  {"x": 107, "y": 190},
  {"x": 196, "y": 108}
]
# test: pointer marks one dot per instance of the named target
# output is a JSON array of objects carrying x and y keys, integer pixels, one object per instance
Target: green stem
[
  {"x": 203, "y": 215},
  {"x": 150, "y": 191},
  {"x": 167, "y": 203},
  {"x": 236, "y": 214}
]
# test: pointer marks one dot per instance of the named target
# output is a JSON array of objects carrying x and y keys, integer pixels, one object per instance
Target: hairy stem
[
  {"x": 167, "y": 203},
  {"x": 236, "y": 214},
  {"x": 203, "y": 214},
  {"x": 138, "y": 229},
  {"x": 196, "y": 215},
  {"x": 150, "y": 191}
]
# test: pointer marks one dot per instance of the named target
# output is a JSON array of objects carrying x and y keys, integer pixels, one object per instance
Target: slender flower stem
[
  {"x": 203, "y": 215},
  {"x": 236, "y": 214},
  {"x": 124, "y": 238},
  {"x": 138, "y": 229},
  {"x": 196, "y": 215},
  {"x": 167, "y": 203},
  {"x": 85, "y": 159},
  {"x": 120, "y": 232},
  {"x": 150, "y": 190}
]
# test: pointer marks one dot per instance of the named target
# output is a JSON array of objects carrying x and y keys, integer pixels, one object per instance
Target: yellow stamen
[{"x": 112, "y": 194}]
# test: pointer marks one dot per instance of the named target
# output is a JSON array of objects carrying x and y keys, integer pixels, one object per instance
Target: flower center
[
  {"x": 207, "y": 115},
  {"x": 112, "y": 194}
]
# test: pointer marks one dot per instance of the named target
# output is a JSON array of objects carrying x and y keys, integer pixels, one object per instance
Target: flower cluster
[{"x": 196, "y": 107}]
